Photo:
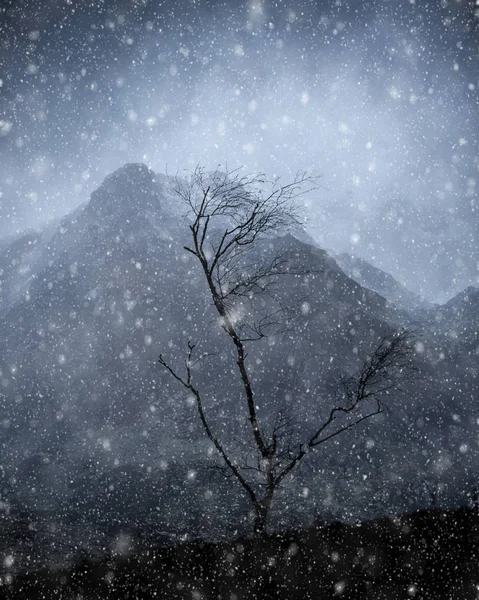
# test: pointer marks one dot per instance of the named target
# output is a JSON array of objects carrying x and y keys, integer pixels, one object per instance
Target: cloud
[{"x": 371, "y": 100}]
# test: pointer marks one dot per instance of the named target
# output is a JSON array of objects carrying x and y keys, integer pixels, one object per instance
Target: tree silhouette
[{"x": 229, "y": 215}]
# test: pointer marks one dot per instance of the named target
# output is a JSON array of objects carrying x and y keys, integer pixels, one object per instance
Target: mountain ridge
[{"x": 113, "y": 287}]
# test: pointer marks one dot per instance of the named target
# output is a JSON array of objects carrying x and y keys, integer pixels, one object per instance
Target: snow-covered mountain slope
[
  {"x": 21, "y": 258},
  {"x": 459, "y": 317},
  {"x": 375, "y": 279},
  {"x": 83, "y": 400}
]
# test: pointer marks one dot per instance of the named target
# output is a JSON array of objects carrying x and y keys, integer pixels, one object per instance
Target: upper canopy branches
[{"x": 229, "y": 213}]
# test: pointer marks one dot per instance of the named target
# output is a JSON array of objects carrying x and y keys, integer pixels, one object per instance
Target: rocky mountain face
[{"x": 97, "y": 434}]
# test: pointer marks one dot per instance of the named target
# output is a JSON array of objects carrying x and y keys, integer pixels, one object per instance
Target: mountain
[
  {"x": 375, "y": 279},
  {"x": 20, "y": 260},
  {"x": 97, "y": 435},
  {"x": 459, "y": 317}
]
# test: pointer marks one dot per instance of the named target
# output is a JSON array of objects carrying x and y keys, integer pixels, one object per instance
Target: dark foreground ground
[{"x": 425, "y": 555}]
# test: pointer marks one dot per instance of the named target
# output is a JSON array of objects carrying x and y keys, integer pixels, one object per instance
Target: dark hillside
[{"x": 430, "y": 554}]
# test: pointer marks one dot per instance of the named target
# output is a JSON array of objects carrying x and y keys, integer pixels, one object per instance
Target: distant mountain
[
  {"x": 458, "y": 322},
  {"x": 95, "y": 432},
  {"x": 460, "y": 315},
  {"x": 375, "y": 279},
  {"x": 20, "y": 260}
]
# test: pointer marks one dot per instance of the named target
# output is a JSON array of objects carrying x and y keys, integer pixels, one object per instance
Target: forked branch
[
  {"x": 381, "y": 373},
  {"x": 186, "y": 381},
  {"x": 228, "y": 215}
]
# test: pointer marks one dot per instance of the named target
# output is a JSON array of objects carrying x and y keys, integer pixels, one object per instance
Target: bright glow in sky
[{"x": 380, "y": 98}]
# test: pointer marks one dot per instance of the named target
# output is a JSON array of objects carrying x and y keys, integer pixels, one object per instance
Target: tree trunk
[
  {"x": 259, "y": 526},
  {"x": 261, "y": 519}
]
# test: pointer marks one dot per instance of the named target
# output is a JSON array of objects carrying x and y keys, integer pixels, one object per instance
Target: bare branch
[
  {"x": 186, "y": 382},
  {"x": 379, "y": 375},
  {"x": 229, "y": 213}
]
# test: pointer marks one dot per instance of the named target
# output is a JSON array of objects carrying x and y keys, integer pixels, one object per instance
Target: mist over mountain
[
  {"x": 95, "y": 433},
  {"x": 378, "y": 97},
  {"x": 382, "y": 283}
]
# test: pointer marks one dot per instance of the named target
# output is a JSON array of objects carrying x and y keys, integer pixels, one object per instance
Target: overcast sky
[{"x": 379, "y": 97}]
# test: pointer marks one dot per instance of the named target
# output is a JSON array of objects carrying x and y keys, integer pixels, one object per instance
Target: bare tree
[{"x": 229, "y": 214}]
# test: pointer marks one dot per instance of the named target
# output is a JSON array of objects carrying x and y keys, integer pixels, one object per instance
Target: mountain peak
[
  {"x": 468, "y": 296},
  {"x": 131, "y": 173},
  {"x": 131, "y": 189},
  {"x": 381, "y": 282}
]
